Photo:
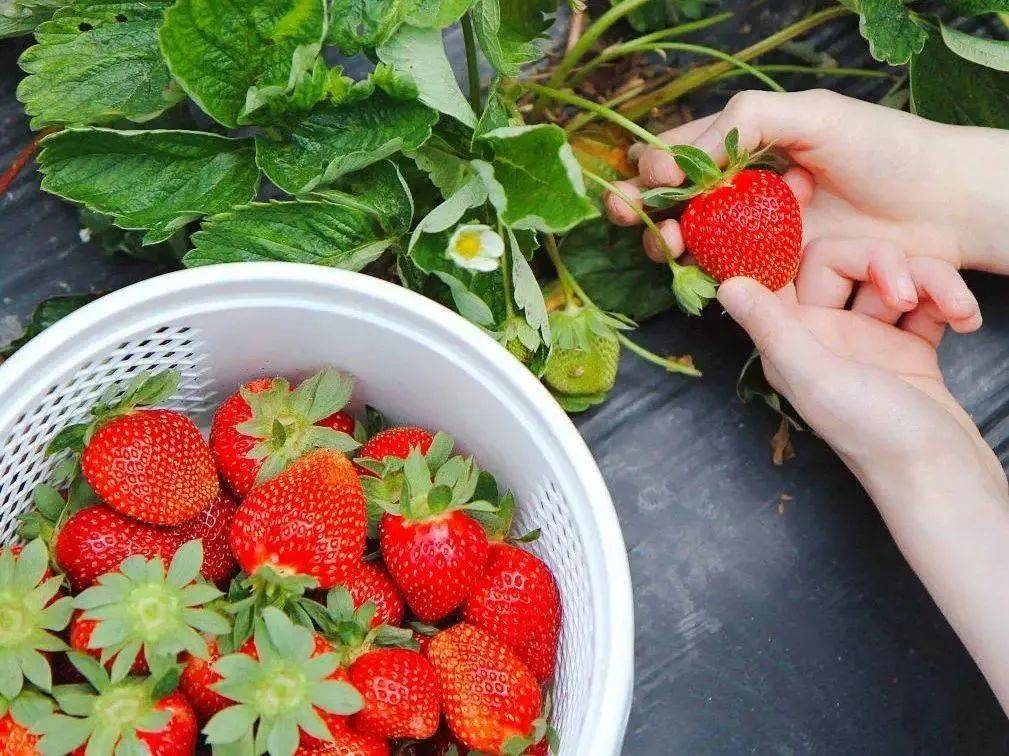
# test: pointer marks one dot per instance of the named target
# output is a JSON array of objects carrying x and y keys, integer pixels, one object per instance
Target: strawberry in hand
[
  {"x": 264, "y": 427},
  {"x": 431, "y": 547},
  {"x": 150, "y": 464}
]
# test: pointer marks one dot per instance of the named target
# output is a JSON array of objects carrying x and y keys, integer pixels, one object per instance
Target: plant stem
[
  {"x": 640, "y": 106},
  {"x": 597, "y": 109},
  {"x": 563, "y": 274},
  {"x": 670, "y": 364},
  {"x": 742, "y": 65},
  {"x": 21, "y": 159},
  {"x": 595, "y": 30},
  {"x": 620, "y": 49},
  {"x": 867, "y": 73},
  {"x": 472, "y": 64},
  {"x": 506, "y": 276}
]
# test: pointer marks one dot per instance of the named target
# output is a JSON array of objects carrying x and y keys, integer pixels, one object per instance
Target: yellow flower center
[{"x": 468, "y": 244}]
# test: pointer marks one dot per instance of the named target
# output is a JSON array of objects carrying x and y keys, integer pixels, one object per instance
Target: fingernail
[
  {"x": 634, "y": 151},
  {"x": 906, "y": 289},
  {"x": 966, "y": 305},
  {"x": 735, "y": 297}
]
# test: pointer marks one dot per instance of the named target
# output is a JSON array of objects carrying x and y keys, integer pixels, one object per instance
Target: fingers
[
  {"x": 670, "y": 231},
  {"x": 618, "y": 210},
  {"x": 831, "y": 267},
  {"x": 784, "y": 344},
  {"x": 657, "y": 167},
  {"x": 942, "y": 284},
  {"x": 926, "y": 322}
]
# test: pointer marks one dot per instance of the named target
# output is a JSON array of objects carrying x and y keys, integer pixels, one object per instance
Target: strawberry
[
  {"x": 212, "y": 526},
  {"x": 197, "y": 681},
  {"x": 17, "y": 724},
  {"x": 401, "y": 694},
  {"x": 516, "y": 600},
  {"x": 748, "y": 224},
  {"x": 265, "y": 426},
  {"x": 81, "y": 630},
  {"x": 394, "y": 442},
  {"x": 310, "y": 520},
  {"x": 129, "y": 714},
  {"x": 150, "y": 611},
  {"x": 433, "y": 550},
  {"x": 291, "y": 686},
  {"x": 150, "y": 464},
  {"x": 346, "y": 742},
  {"x": 372, "y": 583},
  {"x": 490, "y": 698},
  {"x": 32, "y": 611}
]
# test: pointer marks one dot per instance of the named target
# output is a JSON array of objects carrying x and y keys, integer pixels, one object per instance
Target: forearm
[{"x": 953, "y": 530}]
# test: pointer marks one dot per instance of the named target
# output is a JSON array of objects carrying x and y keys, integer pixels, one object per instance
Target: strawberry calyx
[
  {"x": 104, "y": 714},
  {"x": 517, "y": 745},
  {"x": 27, "y": 709},
  {"x": 268, "y": 586},
  {"x": 277, "y": 694},
  {"x": 30, "y": 616},
  {"x": 284, "y": 420},
  {"x": 423, "y": 487},
  {"x": 145, "y": 609},
  {"x": 351, "y": 628}
]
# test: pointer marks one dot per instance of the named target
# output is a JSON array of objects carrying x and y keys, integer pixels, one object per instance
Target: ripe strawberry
[
  {"x": 16, "y": 739},
  {"x": 152, "y": 465},
  {"x": 309, "y": 520},
  {"x": 197, "y": 681},
  {"x": 346, "y": 742},
  {"x": 265, "y": 426},
  {"x": 372, "y": 583},
  {"x": 283, "y": 675},
  {"x": 212, "y": 526},
  {"x": 516, "y": 600},
  {"x": 401, "y": 694},
  {"x": 489, "y": 696},
  {"x": 114, "y": 714},
  {"x": 97, "y": 539},
  {"x": 81, "y": 630},
  {"x": 394, "y": 442},
  {"x": 748, "y": 224},
  {"x": 18, "y": 735}
]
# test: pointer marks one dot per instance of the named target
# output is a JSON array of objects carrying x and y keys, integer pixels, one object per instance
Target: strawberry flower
[
  {"x": 30, "y": 615},
  {"x": 476, "y": 247},
  {"x": 143, "y": 608}
]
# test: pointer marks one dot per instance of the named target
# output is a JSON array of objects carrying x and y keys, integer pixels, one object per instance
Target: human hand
[
  {"x": 857, "y": 170},
  {"x": 869, "y": 385}
]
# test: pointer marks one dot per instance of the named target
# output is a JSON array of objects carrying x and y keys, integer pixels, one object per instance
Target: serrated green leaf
[
  {"x": 337, "y": 139},
  {"x": 467, "y": 303},
  {"x": 219, "y": 49},
  {"x": 947, "y": 88},
  {"x": 534, "y": 181},
  {"x": 44, "y": 315},
  {"x": 990, "y": 53},
  {"x": 892, "y": 33},
  {"x": 320, "y": 233},
  {"x": 97, "y": 61},
  {"x": 379, "y": 189},
  {"x": 526, "y": 291},
  {"x": 437, "y": 14},
  {"x": 157, "y": 180},
  {"x": 470, "y": 194},
  {"x": 509, "y": 32},
  {"x": 359, "y": 24},
  {"x": 977, "y": 7},
  {"x": 420, "y": 53},
  {"x": 21, "y": 17}
]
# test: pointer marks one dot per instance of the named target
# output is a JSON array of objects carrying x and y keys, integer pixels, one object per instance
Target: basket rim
[{"x": 611, "y": 696}]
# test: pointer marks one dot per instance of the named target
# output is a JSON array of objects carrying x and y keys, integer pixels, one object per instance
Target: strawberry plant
[{"x": 206, "y": 133}]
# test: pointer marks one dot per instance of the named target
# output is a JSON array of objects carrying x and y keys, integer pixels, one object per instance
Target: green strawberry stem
[
  {"x": 30, "y": 617},
  {"x": 563, "y": 275},
  {"x": 692, "y": 287},
  {"x": 787, "y": 68},
  {"x": 145, "y": 609},
  {"x": 506, "y": 276},
  {"x": 351, "y": 631},
  {"x": 584, "y": 45},
  {"x": 671, "y": 364},
  {"x": 472, "y": 64},
  {"x": 620, "y": 49}
]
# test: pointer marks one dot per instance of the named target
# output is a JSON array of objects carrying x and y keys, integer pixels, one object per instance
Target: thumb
[{"x": 781, "y": 339}]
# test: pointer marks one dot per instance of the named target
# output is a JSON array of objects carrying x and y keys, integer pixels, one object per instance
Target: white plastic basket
[{"x": 412, "y": 358}]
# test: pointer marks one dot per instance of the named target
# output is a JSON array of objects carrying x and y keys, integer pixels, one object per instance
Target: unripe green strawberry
[{"x": 584, "y": 371}]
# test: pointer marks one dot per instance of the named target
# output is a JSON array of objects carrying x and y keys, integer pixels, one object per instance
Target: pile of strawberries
[{"x": 304, "y": 583}]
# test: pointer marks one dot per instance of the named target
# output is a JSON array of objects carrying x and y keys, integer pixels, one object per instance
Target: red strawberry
[
  {"x": 748, "y": 225},
  {"x": 213, "y": 527},
  {"x": 197, "y": 677},
  {"x": 489, "y": 696},
  {"x": 177, "y": 737},
  {"x": 259, "y": 430},
  {"x": 516, "y": 600},
  {"x": 394, "y": 442},
  {"x": 434, "y": 561},
  {"x": 97, "y": 539},
  {"x": 309, "y": 520},
  {"x": 81, "y": 629},
  {"x": 16, "y": 739},
  {"x": 372, "y": 583},
  {"x": 401, "y": 694},
  {"x": 346, "y": 742}
]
